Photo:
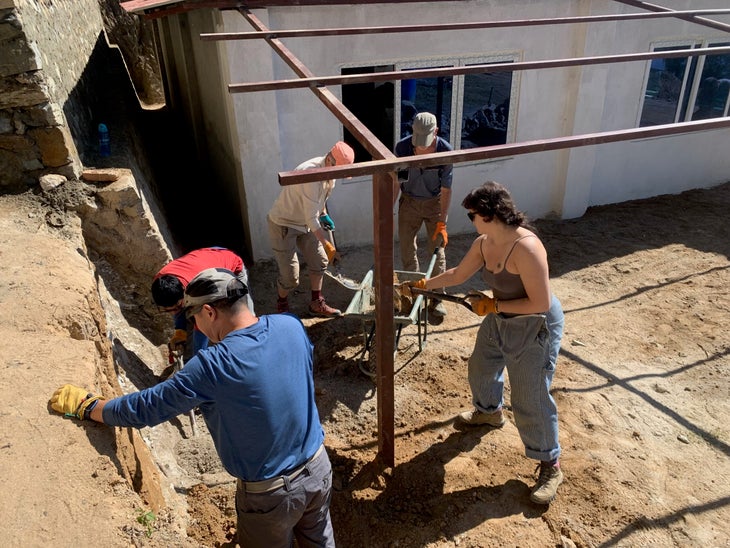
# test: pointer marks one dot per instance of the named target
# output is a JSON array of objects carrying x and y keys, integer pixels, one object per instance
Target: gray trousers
[{"x": 299, "y": 509}]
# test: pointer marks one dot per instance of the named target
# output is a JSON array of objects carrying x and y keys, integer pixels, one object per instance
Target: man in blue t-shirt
[
  {"x": 255, "y": 390},
  {"x": 425, "y": 196}
]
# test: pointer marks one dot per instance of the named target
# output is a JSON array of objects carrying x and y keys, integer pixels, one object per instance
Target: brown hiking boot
[
  {"x": 320, "y": 308},
  {"x": 477, "y": 418},
  {"x": 547, "y": 483},
  {"x": 282, "y": 306}
]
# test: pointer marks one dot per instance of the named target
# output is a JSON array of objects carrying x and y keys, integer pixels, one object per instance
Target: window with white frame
[
  {"x": 683, "y": 89},
  {"x": 472, "y": 110}
]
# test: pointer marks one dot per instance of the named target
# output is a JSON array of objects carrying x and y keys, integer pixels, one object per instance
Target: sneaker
[
  {"x": 476, "y": 418},
  {"x": 282, "y": 306},
  {"x": 438, "y": 309},
  {"x": 322, "y": 309},
  {"x": 547, "y": 483}
]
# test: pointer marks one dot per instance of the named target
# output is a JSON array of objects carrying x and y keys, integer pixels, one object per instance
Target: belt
[
  {"x": 272, "y": 484},
  {"x": 419, "y": 198}
]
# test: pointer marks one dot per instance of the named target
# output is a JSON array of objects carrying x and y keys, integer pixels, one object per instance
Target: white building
[{"x": 253, "y": 136}]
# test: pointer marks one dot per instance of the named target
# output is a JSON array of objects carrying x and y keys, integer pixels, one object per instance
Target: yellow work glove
[
  {"x": 330, "y": 250},
  {"x": 405, "y": 287},
  {"x": 481, "y": 304},
  {"x": 179, "y": 338},
  {"x": 441, "y": 229},
  {"x": 73, "y": 401}
]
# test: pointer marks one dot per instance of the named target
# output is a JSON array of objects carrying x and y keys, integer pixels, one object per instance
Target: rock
[
  {"x": 51, "y": 181},
  {"x": 101, "y": 175}
]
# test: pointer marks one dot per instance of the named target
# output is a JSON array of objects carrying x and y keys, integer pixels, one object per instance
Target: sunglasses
[{"x": 472, "y": 215}]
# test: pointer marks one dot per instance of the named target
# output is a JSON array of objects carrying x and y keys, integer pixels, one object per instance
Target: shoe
[
  {"x": 322, "y": 309},
  {"x": 438, "y": 309},
  {"x": 547, "y": 483},
  {"x": 476, "y": 418},
  {"x": 282, "y": 306}
]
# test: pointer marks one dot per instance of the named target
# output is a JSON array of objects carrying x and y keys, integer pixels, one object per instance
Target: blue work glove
[{"x": 326, "y": 222}]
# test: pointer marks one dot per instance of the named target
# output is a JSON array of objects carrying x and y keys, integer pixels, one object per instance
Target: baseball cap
[
  {"x": 211, "y": 285},
  {"x": 342, "y": 153},
  {"x": 424, "y": 125}
]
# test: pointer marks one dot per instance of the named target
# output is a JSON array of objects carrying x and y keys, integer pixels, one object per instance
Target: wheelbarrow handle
[{"x": 441, "y": 296}]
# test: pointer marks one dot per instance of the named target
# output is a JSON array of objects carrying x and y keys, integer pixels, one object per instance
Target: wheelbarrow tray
[{"x": 361, "y": 307}]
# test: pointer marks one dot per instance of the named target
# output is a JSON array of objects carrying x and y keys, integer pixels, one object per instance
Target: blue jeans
[
  {"x": 527, "y": 346},
  {"x": 300, "y": 509}
]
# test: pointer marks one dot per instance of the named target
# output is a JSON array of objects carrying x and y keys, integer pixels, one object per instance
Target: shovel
[
  {"x": 337, "y": 274},
  {"x": 176, "y": 359}
]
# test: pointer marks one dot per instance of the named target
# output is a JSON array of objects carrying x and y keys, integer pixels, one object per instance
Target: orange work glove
[
  {"x": 441, "y": 229},
  {"x": 330, "y": 250},
  {"x": 179, "y": 338},
  {"x": 481, "y": 305},
  {"x": 405, "y": 287}
]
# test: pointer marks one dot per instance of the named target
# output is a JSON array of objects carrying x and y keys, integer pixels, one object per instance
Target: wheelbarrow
[{"x": 361, "y": 306}]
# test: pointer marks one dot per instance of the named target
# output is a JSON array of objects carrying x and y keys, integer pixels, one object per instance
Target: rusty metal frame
[
  {"x": 471, "y": 25},
  {"x": 387, "y": 76},
  {"x": 385, "y": 164}
]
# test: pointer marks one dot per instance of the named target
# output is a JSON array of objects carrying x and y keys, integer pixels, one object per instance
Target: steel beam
[
  {"x": 691, "y": 18},
  {"x": 383, "y": 245},
  {"x": 472, "y": 25},
  {"x": 388, "y": 76},
  {"x": 499, "y": 151}
]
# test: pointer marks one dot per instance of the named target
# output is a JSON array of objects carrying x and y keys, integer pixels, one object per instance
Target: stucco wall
[{"x": 278, "y": 130}]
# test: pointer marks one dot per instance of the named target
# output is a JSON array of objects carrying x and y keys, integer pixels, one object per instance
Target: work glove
[
  {"x": 405, "y": 287},
  {"x": 330, "y": 250},
  {"x": 326, "y": 222},
  {"x": 481, "y": 305},
  {"x": 73, "y": 401},
  {"x": 179, "y": 338},
  {"x": 441, "y": 229}
]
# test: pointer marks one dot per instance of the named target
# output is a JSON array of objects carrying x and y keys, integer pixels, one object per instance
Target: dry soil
[{"x": 642, "y": 390}]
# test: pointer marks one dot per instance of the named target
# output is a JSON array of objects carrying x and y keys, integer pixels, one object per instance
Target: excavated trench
[{"x": 127, "y": 248}]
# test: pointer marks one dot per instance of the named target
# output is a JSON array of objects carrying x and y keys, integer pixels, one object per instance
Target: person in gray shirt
[{"x": 425, "y": 196}]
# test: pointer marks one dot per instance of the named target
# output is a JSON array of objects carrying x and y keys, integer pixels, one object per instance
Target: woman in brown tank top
[{"x": 520, "y": 333}]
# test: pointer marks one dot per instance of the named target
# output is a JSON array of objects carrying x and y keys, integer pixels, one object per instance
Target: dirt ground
[{"x": 642, "y": 389}]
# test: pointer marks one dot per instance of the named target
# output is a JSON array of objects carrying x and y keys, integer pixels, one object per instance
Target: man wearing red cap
[{"x": 298, "y": 220}]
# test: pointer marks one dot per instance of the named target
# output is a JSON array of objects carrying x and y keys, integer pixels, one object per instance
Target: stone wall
[{"x": 44, "y": 49}]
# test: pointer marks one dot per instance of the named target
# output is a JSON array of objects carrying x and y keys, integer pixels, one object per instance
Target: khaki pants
[
  {"x": 412, "y": 213},
  {"x": 284, "y": 243}
]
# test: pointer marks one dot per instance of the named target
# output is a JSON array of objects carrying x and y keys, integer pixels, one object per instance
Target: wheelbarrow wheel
[{"x": 368, "y": 360}]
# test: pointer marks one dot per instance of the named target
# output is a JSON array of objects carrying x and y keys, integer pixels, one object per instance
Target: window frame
[
  {"x": 457, "y": 91},
  {"x": 689, "y": 90}
]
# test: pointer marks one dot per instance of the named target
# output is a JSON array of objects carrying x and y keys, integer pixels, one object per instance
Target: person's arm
[
  {"x": 96, "y": 414},
  {"x": 445, "y": 203},
  {"x": 402, "y": 148},
  {"x": 530, "y": 260},
  {"x": 312, "y": 202},
  {"x": 469, "y": 265},
  {"x": 179, "y": 394},
  {"x": 396, "y": 190}
]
